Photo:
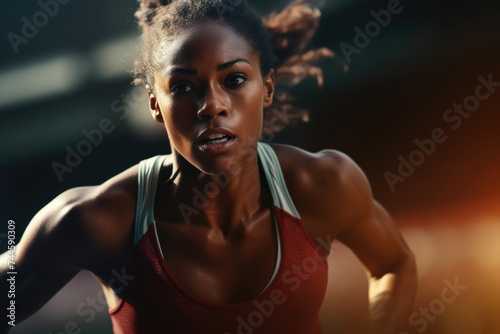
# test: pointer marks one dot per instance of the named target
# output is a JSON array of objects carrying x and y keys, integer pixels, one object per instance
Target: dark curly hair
[{"x": 280, "y": 39}]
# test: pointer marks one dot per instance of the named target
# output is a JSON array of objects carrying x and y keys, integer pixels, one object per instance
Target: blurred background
[{"x": 67, "y": 75}]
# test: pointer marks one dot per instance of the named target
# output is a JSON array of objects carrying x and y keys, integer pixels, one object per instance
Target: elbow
[
  {"x": 407, "y": 265},
  {"x": 408, "y": 273},
  {"x": 404, "y": 264},
  {"x": 410, "y": 263}
]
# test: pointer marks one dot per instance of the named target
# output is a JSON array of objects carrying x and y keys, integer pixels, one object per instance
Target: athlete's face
[{"x": 210, "y": 94}]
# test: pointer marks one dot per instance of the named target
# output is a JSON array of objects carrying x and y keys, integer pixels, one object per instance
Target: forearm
[{"x": 391, "y": 298}]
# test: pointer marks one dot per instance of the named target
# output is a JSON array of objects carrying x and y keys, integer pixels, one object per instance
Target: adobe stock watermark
[
  {"x": 97, "y": 303},
  {"x": 280, "y": 118},
  {"x": 363, "y": 37},
  {"x": 31, "y": 27},
  {"x": 453, "y": 118},
  {"x": 201, "y": 198},
  {"x": 212, "y": 189},
  {"x": 437, "y": 306},
  {"x": 294, "y": 277},
  {"x": 94, "y": 137}
]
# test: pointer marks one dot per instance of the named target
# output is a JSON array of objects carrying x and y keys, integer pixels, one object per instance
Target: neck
[{"x": 224, "y": 202}]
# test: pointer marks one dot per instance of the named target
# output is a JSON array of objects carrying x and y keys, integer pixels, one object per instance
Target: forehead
[{"x": 207, "y": 41}]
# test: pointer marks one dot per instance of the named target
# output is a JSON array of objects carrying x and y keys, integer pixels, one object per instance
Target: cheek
[
  {"x": 250, "y": 103},
  {"x": 177, "y": 115},
  {"x": 177, "y": 124}
]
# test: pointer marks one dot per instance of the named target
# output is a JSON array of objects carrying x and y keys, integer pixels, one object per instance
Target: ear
[
  {"x": 154, "y": 107},
  {"x": 269, "y": 89}
]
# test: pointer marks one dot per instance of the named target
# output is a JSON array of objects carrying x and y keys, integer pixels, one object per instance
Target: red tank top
[{"x": 154, "y": 302}]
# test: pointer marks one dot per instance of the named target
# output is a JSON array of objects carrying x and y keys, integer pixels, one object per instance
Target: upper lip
[{"x": 214, "y": 131}]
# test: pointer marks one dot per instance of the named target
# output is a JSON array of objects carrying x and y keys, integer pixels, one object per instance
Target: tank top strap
[
  {"x": 147, "y": 180},
  {"x": 149, "y": 170},
  {"x": 275, "y": 179}
]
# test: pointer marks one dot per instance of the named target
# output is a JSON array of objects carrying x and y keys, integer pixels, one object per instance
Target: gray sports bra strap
[
  {"x": 149, "y": 171},
  {"x": 147, "y": 180},
  {"x": 275, "y": 179}
]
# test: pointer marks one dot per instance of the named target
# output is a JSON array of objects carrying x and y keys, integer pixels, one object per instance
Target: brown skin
[{"x": 227, "y": 252}]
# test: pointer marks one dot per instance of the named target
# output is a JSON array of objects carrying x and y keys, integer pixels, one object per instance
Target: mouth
[{"x": 215, "y": 140}]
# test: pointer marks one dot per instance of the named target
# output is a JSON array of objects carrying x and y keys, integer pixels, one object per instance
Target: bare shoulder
[
  {"x": 328, "y": 188},
  {"x": 108, "y": 211},
  {"x": 83, "y": 224}
]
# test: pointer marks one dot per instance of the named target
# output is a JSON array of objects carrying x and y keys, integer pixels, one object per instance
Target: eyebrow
[
  {"x": 231, "y": 63},
  {"x": 192, "y": 71}
]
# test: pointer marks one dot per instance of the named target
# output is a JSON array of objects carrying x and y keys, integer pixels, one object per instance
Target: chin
[{"x": 215, "y": 165}]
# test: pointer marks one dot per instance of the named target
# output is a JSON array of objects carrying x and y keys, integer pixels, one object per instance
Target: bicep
[
  {"x": 53, "y": 239},
  {"x": 360, "y": 222},
  {"x": 376, "y": 240},
  {"x": 47, "y": 257}
]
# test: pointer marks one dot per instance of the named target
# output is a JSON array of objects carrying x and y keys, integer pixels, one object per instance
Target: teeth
[
  {"x": 217, "y": 141},
  {"x": 216, "y": 136}
]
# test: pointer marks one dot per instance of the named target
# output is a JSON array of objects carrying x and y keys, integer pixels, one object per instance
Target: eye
[
  {"x": 235, "y": 80},
  {"x": 181, "y": 88}
]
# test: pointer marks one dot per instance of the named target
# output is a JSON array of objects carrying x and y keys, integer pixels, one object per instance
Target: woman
[{"x": 226, "y": 234}]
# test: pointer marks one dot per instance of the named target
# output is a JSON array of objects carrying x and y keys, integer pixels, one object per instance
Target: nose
[{"x": 213, "y": 104}]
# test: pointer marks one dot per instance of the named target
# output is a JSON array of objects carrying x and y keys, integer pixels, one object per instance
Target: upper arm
[
  {"x": 376, "y": 241},
  {"x": 337, "y": 200},
  {"x": 83, "y": 228},
  {"x": 49, "y": 253},
  {"x": 362, "y": 223},
  {"x": 54, "y": 237}
]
